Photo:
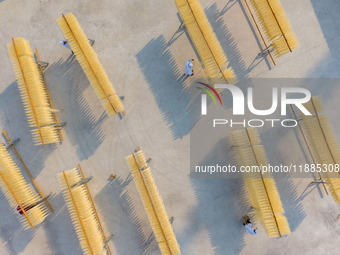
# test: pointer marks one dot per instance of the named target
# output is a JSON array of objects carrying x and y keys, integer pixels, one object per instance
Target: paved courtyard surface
[{"x": 143, "y": 52}]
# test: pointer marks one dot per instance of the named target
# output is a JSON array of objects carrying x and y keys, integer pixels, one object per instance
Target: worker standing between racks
[
  {"x": 247, "y": 224},
  {"x": 66, "y": 44},
  {"x": 189, "y": 67}
]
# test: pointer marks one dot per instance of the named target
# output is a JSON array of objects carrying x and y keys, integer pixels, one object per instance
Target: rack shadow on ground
[
  {"x": 291, "y": 201},
  {"x": 220, "y": 206},
  {"x": 60, "y": 230},
  {"x": 13, "y": 235},
  {"x": 67, "y": 84},
  {"x": 230, "y": 48},
  {"x": 327, "y": 13},
  {"x": 229, "y": 45},
  {"x": 120, "y": 217},
  {"x": 14, "y": 121},
  {"x": 257, "y": 38},
  {"x": 228, "y": 6},
  {"x": 167, "y": 84},
  {"x": 218, "y": 212}
]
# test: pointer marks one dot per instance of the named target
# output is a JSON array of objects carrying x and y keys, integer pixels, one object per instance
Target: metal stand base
[
  {"x": 265, "y": 52},
  {"x": 91, "y": 42},
  {"x": 8, "y": 144},
  {"x": 108, "y": 239},
  {"x": 319, "y": 181},
  {"x": 43, "y": 64}
]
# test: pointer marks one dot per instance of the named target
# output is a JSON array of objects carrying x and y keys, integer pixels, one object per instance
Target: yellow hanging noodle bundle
[
  {"x": 323, "y": 143},
  {"x": 82, "y": 212},
  {"x": 153, "y": 204},
  {"x": 90, "y": 64},
  {"x": 276, "y": 26},
  {"x": 33, "y": 94},
  {"x": 17, "y": 190},
  {"x": 261, "y": 188},
  {"x": 205, "y": 41}
]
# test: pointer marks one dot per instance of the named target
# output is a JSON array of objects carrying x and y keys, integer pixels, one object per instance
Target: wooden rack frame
[
  {"x": 16, "y": 198},
  {"x": 212, "y": 53},
  {"x": 95, "y": 74},
  {"x": 264, "y": 185},
  {"x": 28, "y": 91},
  {"x": 48, "y": 94},
  {"x": 151, "y": 200},
  {"x": 75, "y": 206},
  {"x": 282, "y": 34},
  {"x": 29, "y": 173},
  {"x": 322, "y": 131},
  {"x": 95, "y": 211},
  {"x": 259, "y": 30},
  {"x": 307, "y": 145}
]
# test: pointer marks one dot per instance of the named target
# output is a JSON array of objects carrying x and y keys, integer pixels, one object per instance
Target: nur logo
[
  {"x": 239, "y": 99},
  {"x": 204, "y": 97}
]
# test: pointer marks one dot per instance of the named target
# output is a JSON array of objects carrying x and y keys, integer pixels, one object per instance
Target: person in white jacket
[
  {"x": 66, "y": 44},
  {"x": 189, "y": 67},
  {"x": 247, "y": 224}
]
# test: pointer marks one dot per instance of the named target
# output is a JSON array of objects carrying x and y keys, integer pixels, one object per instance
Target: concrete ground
[{"x": 143, "y": 52}]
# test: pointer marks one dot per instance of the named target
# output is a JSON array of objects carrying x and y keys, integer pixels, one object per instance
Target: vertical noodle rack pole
[
  {"x": 48, "y": 94},
  {"x": 264, "y": 185},
  {"x": 28, "y": 91},
  {"x": 75, "y": 206},
  {"x": 95, "y": 211},
  {"x": 258, "y": 29},
  {"x": 153, "y": 206}
]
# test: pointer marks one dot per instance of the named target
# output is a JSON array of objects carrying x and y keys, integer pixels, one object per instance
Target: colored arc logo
[{"x": 209, "y": 93}]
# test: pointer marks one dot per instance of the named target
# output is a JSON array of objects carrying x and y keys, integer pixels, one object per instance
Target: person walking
[
  {"x": 189, "y": 67},
  {"x": 66, "y": 44},
  {"x": 247, "y": 224}
]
